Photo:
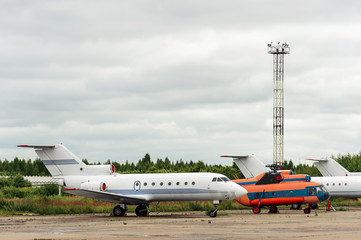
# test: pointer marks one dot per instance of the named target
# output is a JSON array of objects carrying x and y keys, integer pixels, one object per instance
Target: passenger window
[
  {"x": 257, "y": 195},
  {"x": 169, "y": 183},
  {"x": 145, "y": 184},
  {"x": 266, "y": 194},
  {"x": 177, "y": 183},
  {"x": 193, "y": 183},
  {"x": 311, "y": 191},
  {"x": 345, "y": 184},
  {"x": 153, "y": 183},
  {"x": 161, "y": 183},
  {"x": 333, "y": 184},
  {"x": 186, "y": 183},
  {"x": 291, "y": 192},
  {"x": 339, "y": 184},
  {"x": 282, "y": 193},
  {"x": 327, "y": 184},
  {"x": 273, "y": 194}
]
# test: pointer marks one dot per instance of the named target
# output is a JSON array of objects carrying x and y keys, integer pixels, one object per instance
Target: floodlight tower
[{"x": 278, "y": 51}]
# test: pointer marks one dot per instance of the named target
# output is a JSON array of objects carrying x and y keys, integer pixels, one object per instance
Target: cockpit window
[
  {"x": 221, "y": 179},
  {"x": 311, "y": 191},
  {"x": 321, "y": 189},
  {"x": 226, "y": 179},
  {"x": 318, "y": 190}
]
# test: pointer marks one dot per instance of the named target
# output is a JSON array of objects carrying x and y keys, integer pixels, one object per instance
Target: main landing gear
[
  {"x": 213, "y": 213},
  {"x": 120, "y": 210},
  {"x": 142, "y": 210}
]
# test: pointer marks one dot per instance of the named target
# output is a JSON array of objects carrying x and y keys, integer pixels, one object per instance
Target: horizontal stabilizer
[
  {"x": 238, "y": 157},
  {"x": 37, "y": 146},
  {"x": 318, "y": 160}
]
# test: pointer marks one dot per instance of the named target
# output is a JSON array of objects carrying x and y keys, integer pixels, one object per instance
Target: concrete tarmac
[{"x": 240, "y": 224}]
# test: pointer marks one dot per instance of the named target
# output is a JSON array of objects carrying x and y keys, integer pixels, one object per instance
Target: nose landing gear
[{"x": 213, "y": 213}]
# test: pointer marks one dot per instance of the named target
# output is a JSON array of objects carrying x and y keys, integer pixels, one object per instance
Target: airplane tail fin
[
  {"x": 329, "y": 167},
  {"x": 61, "y": 162},
  {"x": 249, "y": 165}
]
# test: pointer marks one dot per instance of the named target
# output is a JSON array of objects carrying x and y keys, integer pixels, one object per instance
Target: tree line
[{"x": 146, "y": 165}]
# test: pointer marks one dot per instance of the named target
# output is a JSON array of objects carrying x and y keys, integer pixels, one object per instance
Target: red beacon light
[
  {"x": 279, "y": 178},
  {"x": 113, "y": 168}
]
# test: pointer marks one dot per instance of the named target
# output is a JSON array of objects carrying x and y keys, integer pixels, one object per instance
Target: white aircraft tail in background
[
  {"x": 249, "y": 165},
  {"x": 331, "y": 168}
]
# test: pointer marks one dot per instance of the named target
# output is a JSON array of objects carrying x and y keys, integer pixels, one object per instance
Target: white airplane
[
  {"x": 337, "y": 186},
  {"x": 102, "y": 183},
  {"x": 330, "y": 168}
]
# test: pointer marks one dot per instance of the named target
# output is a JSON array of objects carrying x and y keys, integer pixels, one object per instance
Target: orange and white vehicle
[{"x": 281, "y": 188}]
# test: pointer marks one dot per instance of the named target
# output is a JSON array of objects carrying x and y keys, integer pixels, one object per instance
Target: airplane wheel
[
  {"x": 256, "y": 210},
  {"x": 118, "y": 211},
  {"x": 141, "y": 210},
  {"x": 213, "y": 213},
  {"x": 307, "y": 210},
  {"x": 296, "y": 206},
  {"x": 273, "y": 209},
  {"x": 314, "y": 206}
]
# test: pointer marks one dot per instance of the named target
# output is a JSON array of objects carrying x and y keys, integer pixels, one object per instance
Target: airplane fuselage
[
  {"x": 159, "y": 187},
  {"x": 349, "y": 186}
]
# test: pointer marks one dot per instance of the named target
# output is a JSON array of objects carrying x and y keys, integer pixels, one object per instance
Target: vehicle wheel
[
  {"x": 118, "y": 211},
  {"x": 256, "y": 210},
  {"x": 213, "y": 213},
  {"x": 296, "y": 206},
  {"x": 314, "y": 206},
  {"x": 307, "y": 210},
  {"x": 141, "y": 210},
  {"x": 273, "y": 209}
]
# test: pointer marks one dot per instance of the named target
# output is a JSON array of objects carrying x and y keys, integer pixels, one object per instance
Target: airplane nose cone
[{"x": 239, "y": 191}]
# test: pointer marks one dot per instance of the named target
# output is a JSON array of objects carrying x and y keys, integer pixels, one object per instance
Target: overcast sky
[{"x": 187, "y": 80}]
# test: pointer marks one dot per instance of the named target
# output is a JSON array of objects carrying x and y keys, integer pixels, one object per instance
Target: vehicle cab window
[{"x": 214, "y": 179}]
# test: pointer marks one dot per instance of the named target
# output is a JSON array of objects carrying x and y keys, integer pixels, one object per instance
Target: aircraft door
[{"x": 137, "y": 185}]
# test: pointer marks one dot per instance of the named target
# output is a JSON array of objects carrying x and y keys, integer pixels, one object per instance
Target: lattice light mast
[{"x": 278, "y": 51}]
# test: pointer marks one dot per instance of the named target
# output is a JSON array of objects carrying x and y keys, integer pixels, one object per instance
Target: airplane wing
[{"x": 106, "y": 196}]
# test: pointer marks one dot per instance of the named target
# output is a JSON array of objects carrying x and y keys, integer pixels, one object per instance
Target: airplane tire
[
  {"x": 256, "y": 210},
  {"x": 141, "y": 210},
  {"x": 118, "y": 211},
  {"x": 273, "y": 209},
  {"x": 307, "y": 210},
  {"x": 213, "y": 213}
]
